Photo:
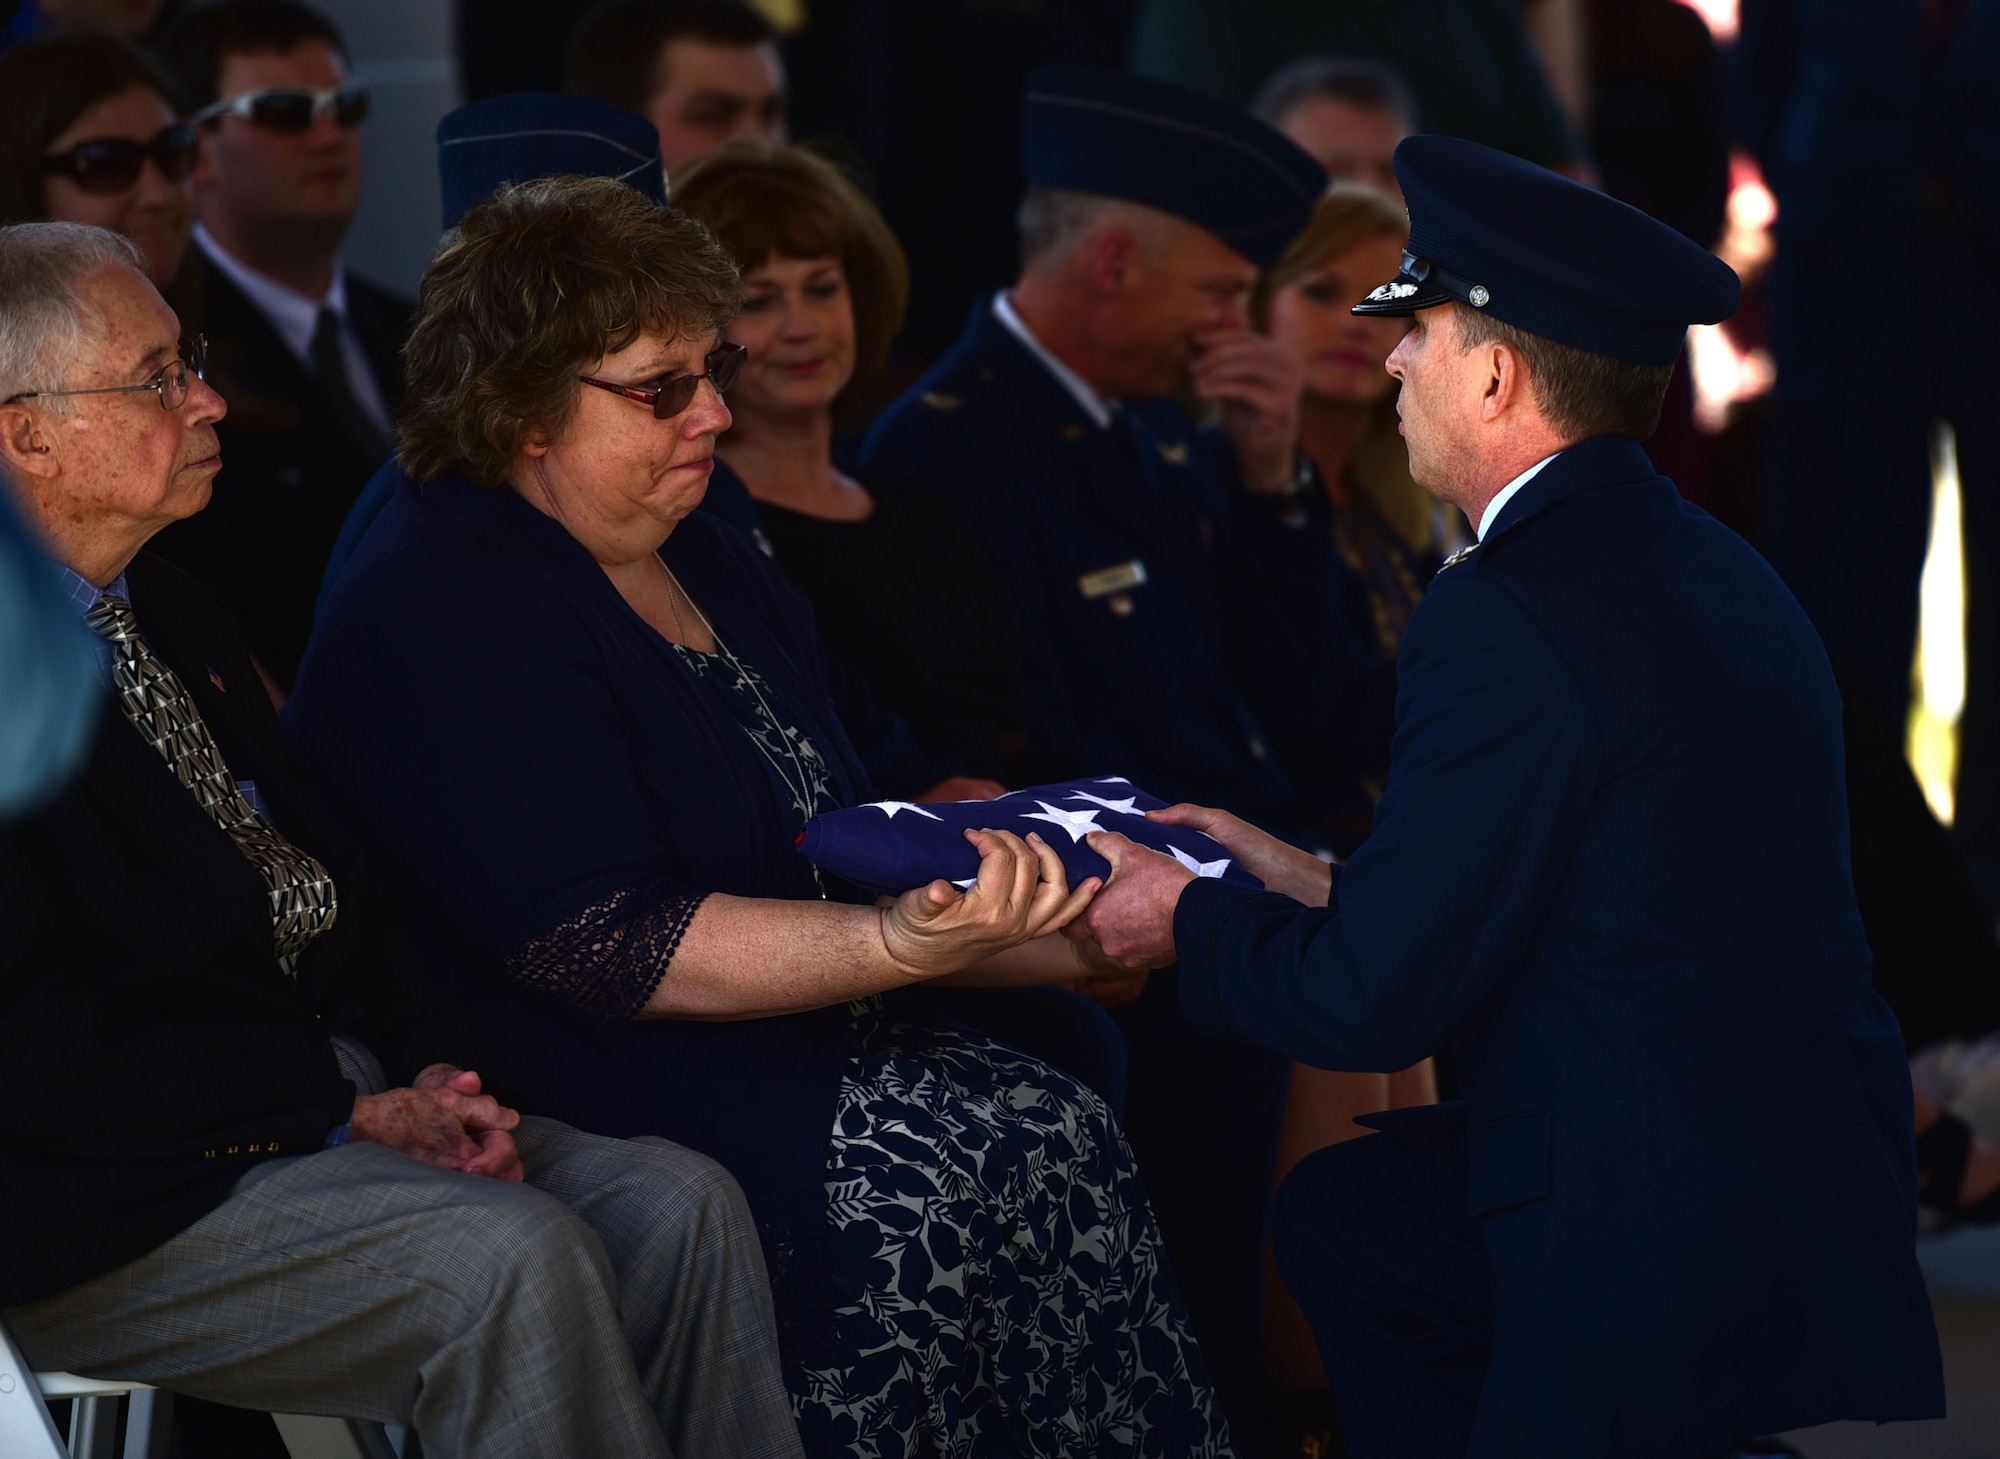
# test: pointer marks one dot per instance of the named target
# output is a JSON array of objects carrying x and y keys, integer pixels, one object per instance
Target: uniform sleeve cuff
[{"x": 1205, "y": 904}]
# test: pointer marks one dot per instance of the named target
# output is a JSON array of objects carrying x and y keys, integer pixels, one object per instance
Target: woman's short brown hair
[
  {"x": 762, "y": 200},
  {"x": 1349, "y": 213},
  {"x": 45, "y": 85},
  {"x": 535, "y": 286}
]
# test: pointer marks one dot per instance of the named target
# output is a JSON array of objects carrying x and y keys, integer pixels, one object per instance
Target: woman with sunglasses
[
  {"x": 588, "y": 723},
  {"x": 88, "y": 135}
]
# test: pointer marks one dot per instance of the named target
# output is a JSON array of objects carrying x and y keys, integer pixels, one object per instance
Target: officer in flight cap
[
  {"x": 1130, "y": 542},
  {"x": 1608, "y": 877}
]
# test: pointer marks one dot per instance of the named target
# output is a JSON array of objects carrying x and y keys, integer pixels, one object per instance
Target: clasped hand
[
  {"x": 443, "y": 1119},
  {"x": 1022, "y": 892},
  {"x": 1131, "y": 922}
]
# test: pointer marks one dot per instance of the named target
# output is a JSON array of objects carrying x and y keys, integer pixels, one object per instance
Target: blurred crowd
[{"x": 1062, "y": 478}]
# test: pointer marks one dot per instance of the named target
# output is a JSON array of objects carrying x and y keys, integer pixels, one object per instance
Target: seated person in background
[
  {"x": 1388, "y": 534},
  {"x": 304, "y": 352},
  {"x": 91, "y": 137},
  {"x": 896, "y": 583},
  {"x": 1348, "y": 114},
  {"x": 587, "y": 722},
  {"x": 1138, "y": 560},
  {"x": 1468, "y": 63},
  {"x": 703, "y": 72},
  {"x": 191, "y": 1191}
]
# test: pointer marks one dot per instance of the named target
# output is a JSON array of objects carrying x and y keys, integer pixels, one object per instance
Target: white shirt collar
[
  {"x": 1492, "y": 513},
  {"x": 291, "y": 313},
  {"x": 1092, "y": 404}
]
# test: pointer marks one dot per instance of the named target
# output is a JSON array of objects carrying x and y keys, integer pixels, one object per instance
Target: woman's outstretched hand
[
  {"x": 1022, "y": 893},
  {"x": 1281, "y": 866}
]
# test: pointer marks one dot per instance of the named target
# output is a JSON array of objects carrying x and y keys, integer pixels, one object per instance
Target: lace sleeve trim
[{"x": 604, "y": 961}]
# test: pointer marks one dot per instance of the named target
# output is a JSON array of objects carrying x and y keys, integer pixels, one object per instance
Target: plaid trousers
[{"x": 616, "y": 1304}]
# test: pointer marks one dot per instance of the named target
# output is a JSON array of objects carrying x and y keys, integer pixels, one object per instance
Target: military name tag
[{"x": 1116, "y": 579}]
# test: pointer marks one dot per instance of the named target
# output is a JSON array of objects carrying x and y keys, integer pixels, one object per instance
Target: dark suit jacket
[
  {"x": 1610, "y": 875},
  {"x": 151, "y": 1049},
  {"x": 290, "y": 471}
]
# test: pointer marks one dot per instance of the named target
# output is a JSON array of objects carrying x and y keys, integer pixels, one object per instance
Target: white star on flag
[
  {"x": 1200, "y": 868},
  {"x": 890, "y": 807},
  {"x": 1123, "y": 807},
  {"x": 1078, "y": 823}
]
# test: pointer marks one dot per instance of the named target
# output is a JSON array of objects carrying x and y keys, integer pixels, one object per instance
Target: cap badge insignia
[
  {"x": 1477, "y": 296},
  {"x": 1392, "y": 291}
]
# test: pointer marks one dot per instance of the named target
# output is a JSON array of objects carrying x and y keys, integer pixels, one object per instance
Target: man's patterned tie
[{"x": 161, "y": 709}]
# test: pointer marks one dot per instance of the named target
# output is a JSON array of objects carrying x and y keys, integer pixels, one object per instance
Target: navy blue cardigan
[{"x": 558, "y": 791}]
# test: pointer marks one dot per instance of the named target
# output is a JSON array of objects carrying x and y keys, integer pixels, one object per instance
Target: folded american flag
[{"x": 893, "y": 845}]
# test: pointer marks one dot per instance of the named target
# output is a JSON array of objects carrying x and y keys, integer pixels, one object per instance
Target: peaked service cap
[
  {"x": 530, "y": 134},
  {"x": 1547, "y": 255},
  {"x": 1090, "y": 129}
]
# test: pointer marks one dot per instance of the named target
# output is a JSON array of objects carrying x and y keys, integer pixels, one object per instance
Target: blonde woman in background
[
  {"x": 1387, "y": 528},
  {"x": 1393, "y": 534}
]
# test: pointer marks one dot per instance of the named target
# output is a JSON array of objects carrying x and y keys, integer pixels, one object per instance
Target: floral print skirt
[{"x": 1004, "y": 1290}]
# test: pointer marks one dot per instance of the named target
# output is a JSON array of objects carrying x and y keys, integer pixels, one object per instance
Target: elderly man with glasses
[
  {"x": 207, "y": 1179},
  {"x": 305, "y": 353}
]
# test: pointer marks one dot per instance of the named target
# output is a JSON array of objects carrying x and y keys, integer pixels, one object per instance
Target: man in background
[
  {"x": 304, "y": 352},
  {"x": 703, "y": 72},
  {"x": 1348, "y": 114}
]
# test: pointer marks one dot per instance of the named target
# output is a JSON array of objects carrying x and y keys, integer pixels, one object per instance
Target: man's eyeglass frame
[
  {"x": 720, "y": 367},
  {"x": 346, "y": 103},
  {"x": 192, "y": 364}
]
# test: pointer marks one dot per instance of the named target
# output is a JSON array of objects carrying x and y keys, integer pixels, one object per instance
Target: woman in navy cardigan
[{"x": 587, "y": 721}]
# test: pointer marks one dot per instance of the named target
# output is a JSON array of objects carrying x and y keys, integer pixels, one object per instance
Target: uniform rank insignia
[
  {"x": 1457, "y": 557},
  {"x": 937, "y": 400},
  {"x": 1118, "y": 578},
  {"x": 1174, "y": 453}
]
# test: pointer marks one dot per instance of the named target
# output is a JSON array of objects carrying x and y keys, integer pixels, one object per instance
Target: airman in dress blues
[{"x": 1609, "y": 878}]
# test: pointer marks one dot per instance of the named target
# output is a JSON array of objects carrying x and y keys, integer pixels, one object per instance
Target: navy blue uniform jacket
[
  {"x": 1131, "y": 561},
  {"x": 1610, "y": 874}
]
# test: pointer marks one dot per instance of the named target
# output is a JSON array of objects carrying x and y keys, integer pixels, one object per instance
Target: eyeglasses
[
  {"x": 171, "y": 383},
  {"x": 293, "y": 108},
  {"x": 111, "y": 165},
  {"x": 720, "y": 367}
]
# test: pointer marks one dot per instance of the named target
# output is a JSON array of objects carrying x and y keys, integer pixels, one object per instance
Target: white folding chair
[{"x": 28, "y": 1431}]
